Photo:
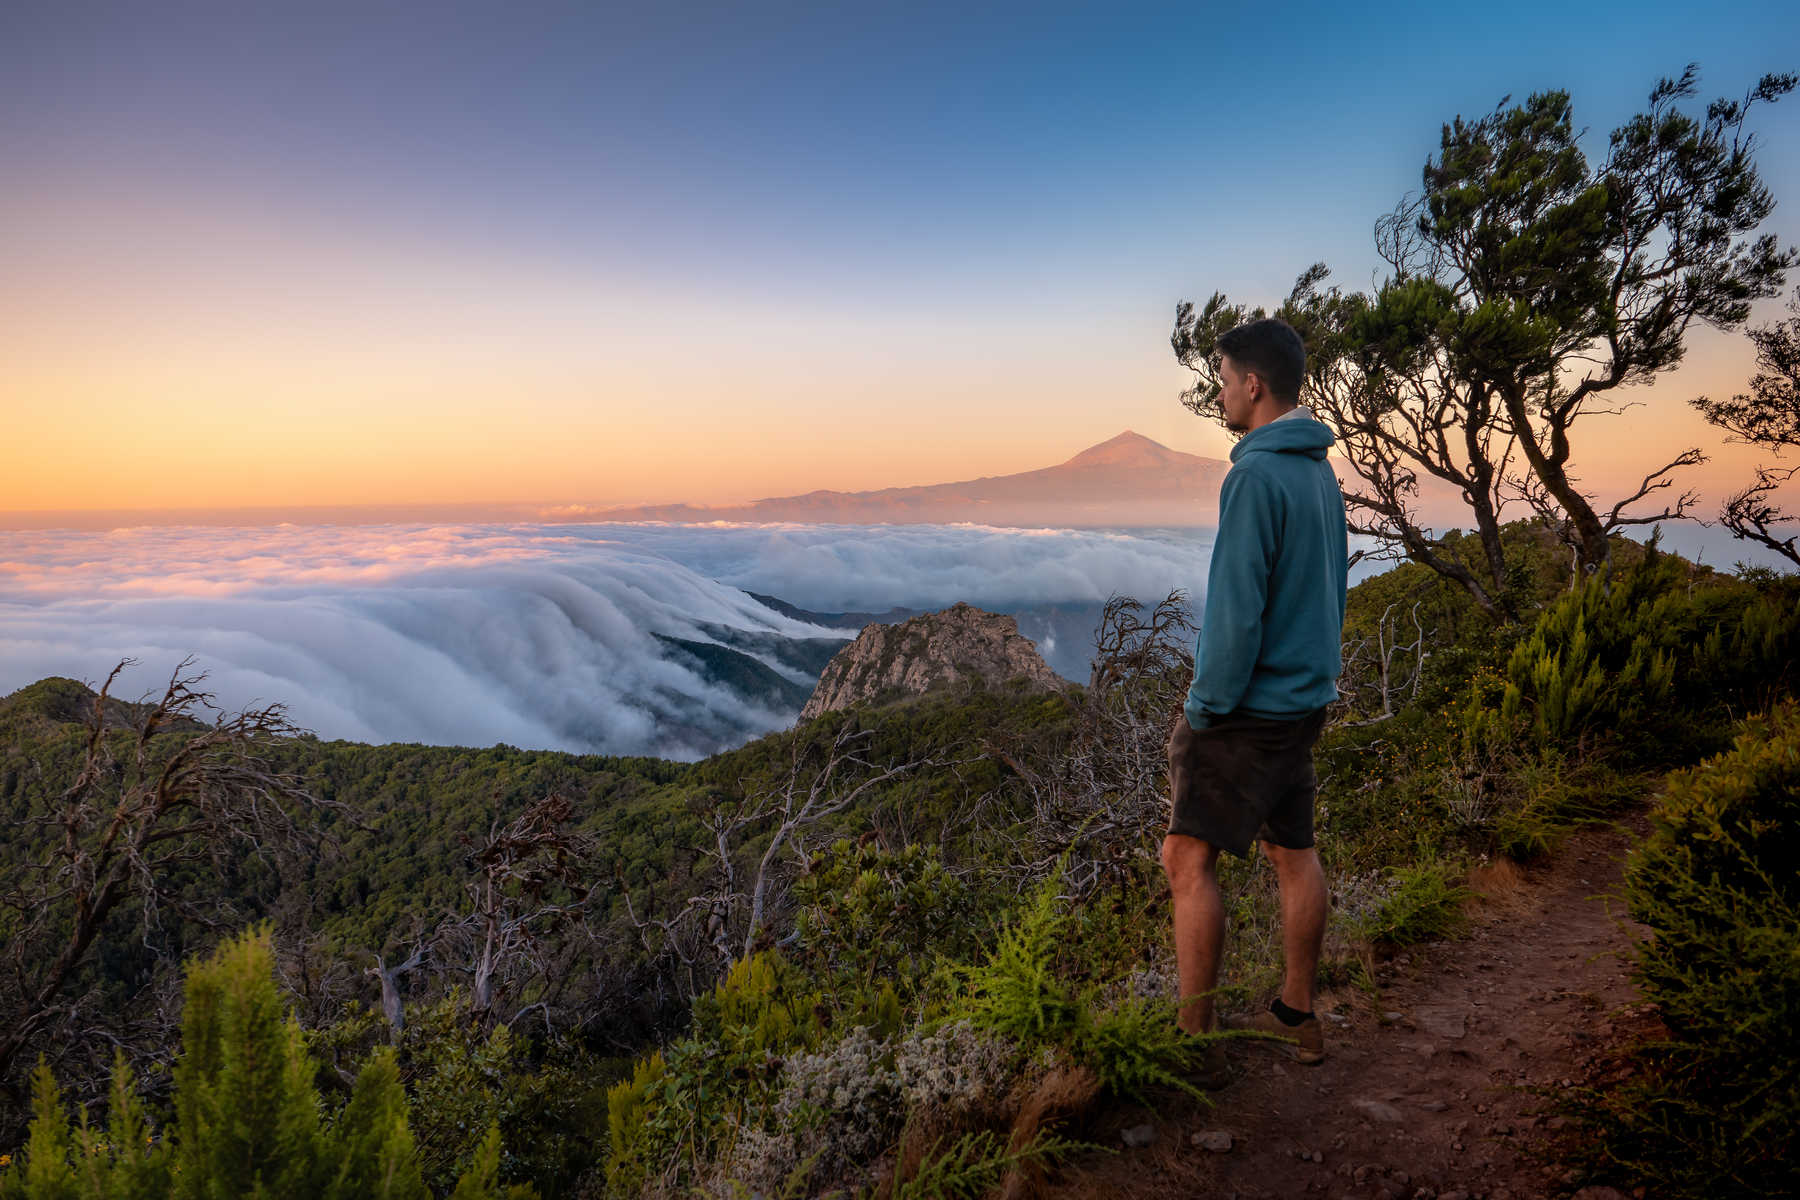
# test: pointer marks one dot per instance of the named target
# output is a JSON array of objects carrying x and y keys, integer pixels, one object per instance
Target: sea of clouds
[{"x": 538, "y": 636}]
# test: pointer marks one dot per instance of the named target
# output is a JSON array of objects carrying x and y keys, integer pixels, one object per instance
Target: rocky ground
[{"x": 1430, "y": 1091}]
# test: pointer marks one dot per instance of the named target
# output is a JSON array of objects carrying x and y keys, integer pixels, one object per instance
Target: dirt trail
[{"x": 1422, "y": 1095}]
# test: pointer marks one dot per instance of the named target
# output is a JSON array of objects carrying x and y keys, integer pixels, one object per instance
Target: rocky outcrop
[{"x": 936, "y": 650}]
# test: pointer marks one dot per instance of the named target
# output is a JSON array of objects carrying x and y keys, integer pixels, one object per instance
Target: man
[{"x": 1265, "y": 666}]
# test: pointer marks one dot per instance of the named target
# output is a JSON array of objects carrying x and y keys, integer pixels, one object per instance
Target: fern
[
  {"x": 978, "y": 1161},
  {"x": 1016, "y": 992},
  {"x": 1137, "y": 1046}
]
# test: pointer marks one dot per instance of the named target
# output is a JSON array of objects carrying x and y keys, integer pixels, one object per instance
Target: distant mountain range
[{"x": 1129, "y": 480}]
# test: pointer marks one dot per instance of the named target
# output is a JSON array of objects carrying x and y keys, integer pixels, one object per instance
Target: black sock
[{"x": 1286, "y": 1015}]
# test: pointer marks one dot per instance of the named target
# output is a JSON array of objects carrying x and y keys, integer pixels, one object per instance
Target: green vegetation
[
  {"x": 931, "y": 1005},
  {"x": 1633, "y": 659},
  {"x": 1424, "y": 905},
  {"x": 1714, "y": 1110},
  {"x": 901, "y": 950},
  {"x": 1132, "y": 1045},
  {"x": 247, "y": 1120},
  {"x": 1527, "y": 284},
  {"x": 976, "y": 1162}
]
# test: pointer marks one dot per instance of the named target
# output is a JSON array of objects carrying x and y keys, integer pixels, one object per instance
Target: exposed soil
[{"x": 1425, "y": 1092}]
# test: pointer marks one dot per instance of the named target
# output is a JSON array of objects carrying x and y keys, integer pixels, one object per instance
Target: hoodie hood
[{"x": 1298, "y": 435}]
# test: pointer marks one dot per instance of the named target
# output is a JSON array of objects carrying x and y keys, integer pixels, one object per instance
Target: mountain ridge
[{"x": 1127, "y": 479}]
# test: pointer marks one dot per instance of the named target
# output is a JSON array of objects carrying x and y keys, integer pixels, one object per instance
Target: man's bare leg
[
  {"x": 1192, "y": 867},
  {"x": 1304, "y": 903}
]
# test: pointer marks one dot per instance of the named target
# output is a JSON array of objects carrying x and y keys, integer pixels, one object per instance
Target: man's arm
[{"x": 1237, "y": 590}]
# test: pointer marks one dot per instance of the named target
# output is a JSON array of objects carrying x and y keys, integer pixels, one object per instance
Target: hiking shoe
[
  {"x": 1211, "y": 1070},
  {"x": 1304, "y": 1042}
]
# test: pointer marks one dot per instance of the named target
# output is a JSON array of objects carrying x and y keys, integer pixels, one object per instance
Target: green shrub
[
  {"x": 125, "y": 1162},
  {"x": 246, "y": 1113},
  {"x": 1715, "y": 882},
  {"x": 482, "y": 1180},
  {"x": 1645, "y": 662},
  {"x": 1548, "y": 793},
  {"x": 976, "y": 1162},
  {"x": 1600, "y": 657},
  {"x": 761, "y": 1009},
  {"x": 1136, "y": 1045},
  {"x": 1425, "y": 904},
  {"x": 464, "y": 1076},
  {"x": 627, "y": 1105},
  {"x": 1016, "y": 992},
  {"x": 868, "y": 916},
  {"x": 248, "y": 1120},
  {"x": 1019, "y": 994},
  {"x": 689, "y": 1101}
]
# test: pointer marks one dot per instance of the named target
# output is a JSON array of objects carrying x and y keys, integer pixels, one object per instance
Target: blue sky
[{"x": 845, "y": 217}]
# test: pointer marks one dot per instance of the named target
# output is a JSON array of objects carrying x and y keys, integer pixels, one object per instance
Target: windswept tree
[
  {"x": 152, "y": 806},
  {"x": 1527, "y": 287},
  {"x": 1099, "y": 799},
  {"x": 529, "y": 892},
  {"x": 1767, "y": 415},
  {"x": 830, "y": 771}
]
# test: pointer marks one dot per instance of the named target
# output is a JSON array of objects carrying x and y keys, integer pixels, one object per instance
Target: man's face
[{"x": 1237, "y": 394}]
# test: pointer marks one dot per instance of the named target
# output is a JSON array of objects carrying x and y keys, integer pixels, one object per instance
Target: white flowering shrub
[
  {"x": 834, "y": 1111},
  {"x": 1151, "y": 983},
  {"x": 1358, "y": 895},
  {"x": 955, "y": 1068},
  {"x": 847, "y": 1096}
]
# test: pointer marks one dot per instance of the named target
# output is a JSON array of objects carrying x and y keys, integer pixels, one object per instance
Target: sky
[{"x": 358, "y": 254}]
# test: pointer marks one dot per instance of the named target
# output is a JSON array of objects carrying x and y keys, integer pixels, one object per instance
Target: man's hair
[{"x": 1272, "y": 349}]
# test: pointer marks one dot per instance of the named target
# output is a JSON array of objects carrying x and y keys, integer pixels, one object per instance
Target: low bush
[
  {"x": 1547, "y": 793},
  {"x": 1714, "y": 1112},
  {"x": 1644, "y": 664},
  {"x": 1424, "y": 904},
  {"x": 1132, "y": 1044},
  {"x": 973, "y": 1164}
]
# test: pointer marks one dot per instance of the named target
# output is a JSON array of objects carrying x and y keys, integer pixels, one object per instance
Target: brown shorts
[{"x": 1244, "y": 779}]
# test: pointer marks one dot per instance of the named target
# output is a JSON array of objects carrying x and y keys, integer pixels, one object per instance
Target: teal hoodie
[{"x": 1270, "y": 640}]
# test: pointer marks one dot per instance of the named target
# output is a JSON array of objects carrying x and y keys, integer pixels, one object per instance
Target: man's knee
[
  {"x": 1188, "y": 859},
  {"x": 1287, "y": 860}
]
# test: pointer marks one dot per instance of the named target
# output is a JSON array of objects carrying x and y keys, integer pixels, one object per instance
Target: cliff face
[{"x": 935, "y": 650}]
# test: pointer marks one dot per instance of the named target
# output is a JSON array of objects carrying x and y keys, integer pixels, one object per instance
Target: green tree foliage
[
  {"x": 1767, "y": 416},
  {"x": 247, "y": 1119},
  {"x": 1528, "y": 285}
]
